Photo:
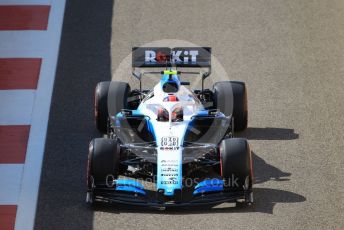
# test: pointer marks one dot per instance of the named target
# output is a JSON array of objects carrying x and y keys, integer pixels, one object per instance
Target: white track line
[
  {"x": 10, "y": 176},
  {"x": 17, "y": 107},
  {"x": 34, "y": 156},
  {"x": 24, "y": 44},
  {"x": 25, "y": 2}
]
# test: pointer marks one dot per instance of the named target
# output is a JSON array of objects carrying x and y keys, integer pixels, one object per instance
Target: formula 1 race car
[{"x": 181, "y": 139}]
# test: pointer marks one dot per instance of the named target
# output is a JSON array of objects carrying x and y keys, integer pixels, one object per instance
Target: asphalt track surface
[{"x": 290, "y": 54}]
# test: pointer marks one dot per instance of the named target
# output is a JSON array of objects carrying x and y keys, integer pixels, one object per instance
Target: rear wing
[
  {"x": 187, "y": 57},
  {"x": 197, "y": 57}
]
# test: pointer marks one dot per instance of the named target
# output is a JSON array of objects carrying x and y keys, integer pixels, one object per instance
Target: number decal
[{"x": 169, "y": 141}]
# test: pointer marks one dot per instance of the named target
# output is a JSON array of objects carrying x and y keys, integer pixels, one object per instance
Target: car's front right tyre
[
  {"x": 110, "y": 98},
  {"x": 102, "y": 165}
]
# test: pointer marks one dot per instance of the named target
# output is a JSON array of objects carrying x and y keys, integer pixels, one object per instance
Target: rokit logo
[
  {"x": 169, "y": 148},
  {"x": 165, "y": 56},
  {"x": 176, "y": 56}
]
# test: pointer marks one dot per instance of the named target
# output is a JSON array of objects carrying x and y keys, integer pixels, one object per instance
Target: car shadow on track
[
  {"x": 264, "y": 172},
  {"x": 269, "y": 133}
]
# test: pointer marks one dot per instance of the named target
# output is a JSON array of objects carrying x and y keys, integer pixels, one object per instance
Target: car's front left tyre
[
  {"x": 236, "y": 166},
  {"x": 230, "y": 97}
]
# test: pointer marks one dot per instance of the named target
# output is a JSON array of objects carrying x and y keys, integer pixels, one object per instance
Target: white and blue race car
[{"x": 181, "y": 139}]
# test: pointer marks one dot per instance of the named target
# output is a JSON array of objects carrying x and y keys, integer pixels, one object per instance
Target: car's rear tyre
[
  {"x": 236, "y": 166},
  {"x": 230, "y": 97},
  {"x": 103, "y": 162},
  {"x": 110, "y": 98}
]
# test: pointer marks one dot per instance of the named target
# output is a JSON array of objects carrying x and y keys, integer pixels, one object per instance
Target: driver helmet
[{"x": 170, "y": 81}]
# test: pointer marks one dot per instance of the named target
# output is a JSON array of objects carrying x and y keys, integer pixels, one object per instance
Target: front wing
[{"x": 130, "y": 192}]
